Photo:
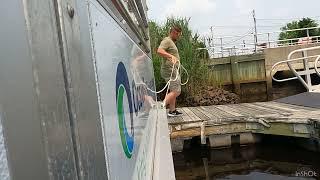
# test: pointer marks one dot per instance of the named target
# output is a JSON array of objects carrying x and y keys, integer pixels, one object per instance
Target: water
[{"x": 275, "y": 158}]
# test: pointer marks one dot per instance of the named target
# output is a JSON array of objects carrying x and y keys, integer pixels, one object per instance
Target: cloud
[
  {"x": 230, "y": 17},
  {"x": 200, "y": 11},
  {"x": 245, "y": 6},
  {"x": 190, "y": 8}
]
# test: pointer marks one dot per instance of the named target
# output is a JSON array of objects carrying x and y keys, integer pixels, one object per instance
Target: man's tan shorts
[{"x": 174, "y": 85}]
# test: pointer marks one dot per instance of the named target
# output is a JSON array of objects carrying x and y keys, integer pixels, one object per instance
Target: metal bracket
[
  {"x": 254, "y": 126},
  {"x": 301, "y": 129},
  {"x": 257, "y": 124},
  {"x": 316, "y": 126},
  {"x": 178, "y": 127}
]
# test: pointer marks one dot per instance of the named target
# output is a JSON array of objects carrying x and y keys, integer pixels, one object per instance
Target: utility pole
[
  {"x": 221, "y": 47},
  {"x": 244, "y": 46},
  {"x": 255, "y": 31},
  {"x": 211, "y": 44},
  {"x": 211, "y": 28}
]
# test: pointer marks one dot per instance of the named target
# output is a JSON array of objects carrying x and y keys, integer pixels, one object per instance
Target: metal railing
[
  {"x": 139, "y": 28},
  {"x": 140, "y": 21},
  {"x": 298, "y": 74},
  {"x": 219, "y": 46}
]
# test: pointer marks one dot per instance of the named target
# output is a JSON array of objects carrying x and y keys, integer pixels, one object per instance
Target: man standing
[{"x": 169, "y": 51}]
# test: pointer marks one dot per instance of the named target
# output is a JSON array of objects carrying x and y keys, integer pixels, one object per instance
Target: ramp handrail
[
  {"x": 286, "y": 61},
  {"x": 306, "y": 71},
  {"x": 316, "y": 65},
  {"x": 302, "y": 50}
]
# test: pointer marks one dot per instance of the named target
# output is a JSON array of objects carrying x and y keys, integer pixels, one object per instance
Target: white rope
[
  {"x": 182, "y": 84},
  {"x": 168, "y": 82}
]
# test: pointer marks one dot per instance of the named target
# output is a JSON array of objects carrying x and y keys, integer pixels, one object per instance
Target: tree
[{"x": 303, "y": 23}]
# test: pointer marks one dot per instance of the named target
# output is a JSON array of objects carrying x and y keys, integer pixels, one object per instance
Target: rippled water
[{"x": 275, "y": 158}]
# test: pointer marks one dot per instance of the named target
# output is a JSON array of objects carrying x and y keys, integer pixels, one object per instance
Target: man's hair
[{"x": 176, "y": 28}]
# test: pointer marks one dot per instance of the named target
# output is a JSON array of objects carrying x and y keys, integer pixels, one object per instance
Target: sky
[{"x": 234, "y": 17}]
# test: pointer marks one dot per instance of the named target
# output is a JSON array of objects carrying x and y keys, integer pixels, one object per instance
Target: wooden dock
[{"x": 221, "y": 124}]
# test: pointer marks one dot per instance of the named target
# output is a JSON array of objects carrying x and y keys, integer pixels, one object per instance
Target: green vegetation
[
  {"x": 303, "y": 23},
  {"x": 191, "y": 57}
]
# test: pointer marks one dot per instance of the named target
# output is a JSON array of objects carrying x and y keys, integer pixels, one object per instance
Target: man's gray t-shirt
[{"x": 166, "y": 66}]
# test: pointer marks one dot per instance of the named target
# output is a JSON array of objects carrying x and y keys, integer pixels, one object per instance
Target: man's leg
[
  {"x": 168, "y": 100},
  {"x": 174, "y": 100},
  {"x": 175, "y": 89}
]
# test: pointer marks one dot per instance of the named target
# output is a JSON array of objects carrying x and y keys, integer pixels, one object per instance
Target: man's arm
[{"x": 165, "y": 54}]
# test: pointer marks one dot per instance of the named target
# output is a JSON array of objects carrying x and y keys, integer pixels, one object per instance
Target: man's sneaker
[{"x": 174, "y": 113}]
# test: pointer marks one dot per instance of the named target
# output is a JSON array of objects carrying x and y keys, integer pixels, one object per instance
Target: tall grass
[{"x": 190, "y": 56}]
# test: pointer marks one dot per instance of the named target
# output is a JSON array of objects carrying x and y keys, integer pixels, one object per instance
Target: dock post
[
  {"x": 202, "y": 133},
  {"x": 220, "y": 141},
  {"x": 177, "y": 144}
]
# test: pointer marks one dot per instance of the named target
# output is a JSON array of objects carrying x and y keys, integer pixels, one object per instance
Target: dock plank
[
  {"x": 277, "y": 107},
  {"x": 247, "y": 111},
  {"x": 201, "y": 115},
  {"x": 243, "y": 111},
  {"x": 266, "y": 109},
  {"x": 218, "y": 112},
  {"x": 185, "y": 116},
  {"x": 206, "y": 113},
  {"x": 193, "y": 116},
  {"x": 229, "y": 109}
]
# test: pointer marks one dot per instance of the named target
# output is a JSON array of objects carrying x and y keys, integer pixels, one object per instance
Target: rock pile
[{"x": 212, "y": 96}]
